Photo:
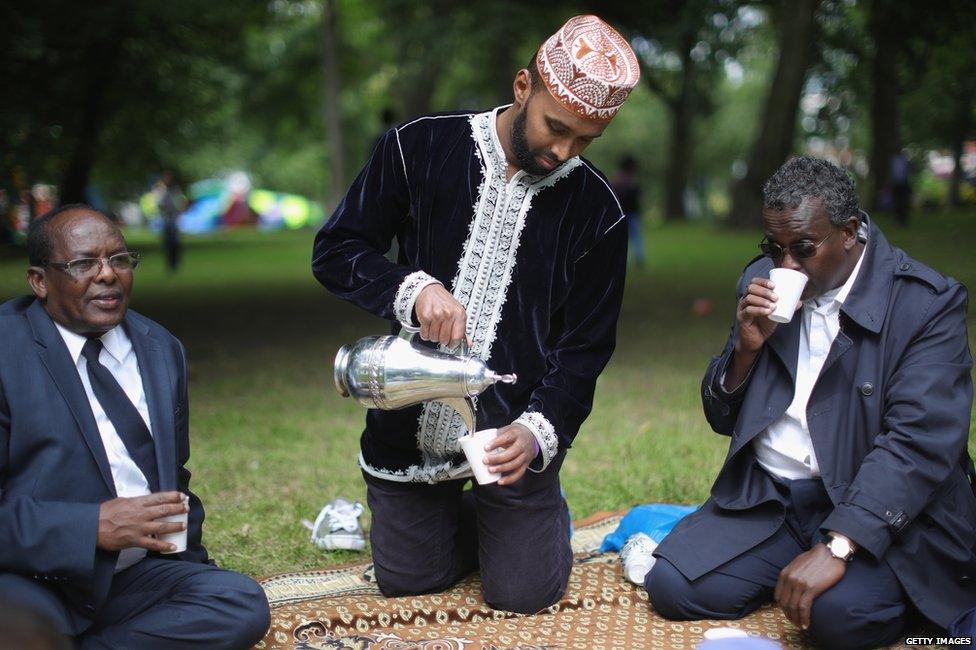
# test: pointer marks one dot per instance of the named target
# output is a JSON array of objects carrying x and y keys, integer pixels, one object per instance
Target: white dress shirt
[
  {"x": 118, "y": 356},
  {"x": 785, "y": 449}
]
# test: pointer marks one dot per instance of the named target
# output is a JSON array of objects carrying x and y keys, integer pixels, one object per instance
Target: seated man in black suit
[
  {"x": 846, "y": 494},
  {"x": 93, "y": 447}
]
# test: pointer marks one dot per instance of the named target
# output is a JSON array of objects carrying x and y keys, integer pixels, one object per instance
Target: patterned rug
[{"x": 342, "y": 607}]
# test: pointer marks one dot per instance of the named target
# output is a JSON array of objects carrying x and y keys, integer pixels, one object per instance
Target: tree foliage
[
  {"x": 116, "y": 85},
  {"x": 111, "y": 93}
]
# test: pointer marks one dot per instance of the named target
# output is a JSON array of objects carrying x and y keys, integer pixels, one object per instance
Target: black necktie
[{"x": 122, "y": 412}]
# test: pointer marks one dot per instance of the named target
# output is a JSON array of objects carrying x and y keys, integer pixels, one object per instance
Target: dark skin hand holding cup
[
  {"x": 131, "y": 522},
  {"x": 443, "y": 320}
]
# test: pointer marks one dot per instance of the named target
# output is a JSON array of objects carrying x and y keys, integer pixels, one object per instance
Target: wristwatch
[{"x": 839, "y": 547}]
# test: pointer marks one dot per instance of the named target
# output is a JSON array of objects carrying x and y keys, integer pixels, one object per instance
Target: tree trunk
[
  {"x": 419, "y": 92},
  {"x": 884, "y": 106},
  {"x": 504, "y": 77},
  {"x": 331, "y": 110},
  {"x": 679, "y": 160},
  {"x": 504, "y": 65},
  {"x": 78, "y": 170},
  {"x": 100, "y": 67},
  {"x": 775, "y": 140}
]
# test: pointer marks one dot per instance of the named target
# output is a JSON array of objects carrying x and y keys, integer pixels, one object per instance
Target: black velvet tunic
[{"x": 538, "y": 263}]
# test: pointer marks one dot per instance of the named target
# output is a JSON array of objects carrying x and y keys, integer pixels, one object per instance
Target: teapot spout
[{"x": 465, "y": 408}]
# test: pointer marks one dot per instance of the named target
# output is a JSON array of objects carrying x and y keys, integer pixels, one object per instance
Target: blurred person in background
[
  {"x": 901, "y": 186},
  {"x": 6, "y": 220},
  {"x": 44, "y": 198},
  {"x": 24, "y": 211},
  {"x": 627, "y": 188},
  {"x": 170, "y": 202}
]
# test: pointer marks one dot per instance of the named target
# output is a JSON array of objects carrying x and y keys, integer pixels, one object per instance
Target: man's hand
[
  {"x": 752, "y": 314},
  {"x": 442, "y": 318},
  {"x": 131, "y": 522},
  {"x": 519, "y": 450},
  {"x": 804, "y": 579}
]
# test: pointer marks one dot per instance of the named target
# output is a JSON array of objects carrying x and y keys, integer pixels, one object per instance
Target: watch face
[{"x": 839, "y": 547}]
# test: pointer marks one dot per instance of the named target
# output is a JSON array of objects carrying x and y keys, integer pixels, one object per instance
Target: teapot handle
[{"x": 407, "y": 333}]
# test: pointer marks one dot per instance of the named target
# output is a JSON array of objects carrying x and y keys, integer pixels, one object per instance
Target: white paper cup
[
  {"x": 178, "y": 538},
  {"x": 473, "y": 446},
  {"x": 788, "y": 289}
]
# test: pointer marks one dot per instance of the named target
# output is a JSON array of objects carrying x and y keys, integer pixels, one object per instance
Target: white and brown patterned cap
[{"x": 588, "y": 67}]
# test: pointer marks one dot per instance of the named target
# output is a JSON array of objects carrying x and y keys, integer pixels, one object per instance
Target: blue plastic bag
[{"x": 653, "y": 519}]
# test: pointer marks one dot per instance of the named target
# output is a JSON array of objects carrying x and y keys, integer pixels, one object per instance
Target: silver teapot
[{"x": 392, "y": 372}]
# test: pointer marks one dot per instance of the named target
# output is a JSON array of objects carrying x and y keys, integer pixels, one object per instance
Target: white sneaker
[
  {"x": 337, "y": 526},
  {"x": 637, "y": 558}
]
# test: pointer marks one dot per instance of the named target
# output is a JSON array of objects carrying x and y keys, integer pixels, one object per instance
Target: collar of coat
[{"x": 867, "y": 303}]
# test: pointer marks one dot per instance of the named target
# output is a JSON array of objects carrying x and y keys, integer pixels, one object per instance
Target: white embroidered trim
[
  {"x": 544, "y": 433},
  {"x": 406, "y": 295},
  {"x": 418, "y": 474},
  {"x": 484, "y": 274}
]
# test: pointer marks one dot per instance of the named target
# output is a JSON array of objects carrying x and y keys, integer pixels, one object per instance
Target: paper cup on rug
[
  {"x": 788, "y": 289},
  {"x": 178, "y": 538},
  {"x": 716, "y": 633},
  {"x": 473, "y": 446}
]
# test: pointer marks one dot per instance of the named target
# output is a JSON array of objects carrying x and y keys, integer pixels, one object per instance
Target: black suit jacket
[
  {"x": 54, "y": 472},
  {"x": 889, "y": 420}
]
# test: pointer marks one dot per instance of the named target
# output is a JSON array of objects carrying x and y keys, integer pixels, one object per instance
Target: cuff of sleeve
[
  {"x": 77, "y": 541},
  {"x": 866, "y": 530},
  {"x": 406, "y": 295},
  {"x": 545, "y": 435},
  {"x": 735, "y": 392},
  {"x": 739, "y": 391}
]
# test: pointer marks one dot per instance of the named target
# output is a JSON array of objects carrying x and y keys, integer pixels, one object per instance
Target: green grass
[{"x": 272, "y": 441}]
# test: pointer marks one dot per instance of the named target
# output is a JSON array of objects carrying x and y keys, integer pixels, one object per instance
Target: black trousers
[
  {"x": 426, "y": 537},
  {"x": 867, "y": 608}
]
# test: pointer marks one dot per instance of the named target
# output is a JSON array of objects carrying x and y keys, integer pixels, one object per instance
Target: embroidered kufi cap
[{"x": 588, "y": 67}]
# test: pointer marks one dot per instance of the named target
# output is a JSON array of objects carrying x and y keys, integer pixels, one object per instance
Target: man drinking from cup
[
  {"x": 846, "y": 495},
  {"x": 98, "y": 529}
]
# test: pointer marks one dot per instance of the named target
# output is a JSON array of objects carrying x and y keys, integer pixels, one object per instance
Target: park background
[{"x": 97, "y": 99}]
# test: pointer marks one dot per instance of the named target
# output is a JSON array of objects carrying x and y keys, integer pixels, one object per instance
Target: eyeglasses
[
  {"x": 798, "y": 250},
  {"x": 85, "y": 267}
]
